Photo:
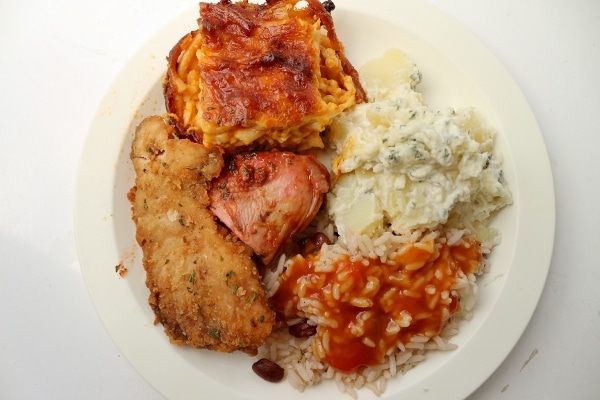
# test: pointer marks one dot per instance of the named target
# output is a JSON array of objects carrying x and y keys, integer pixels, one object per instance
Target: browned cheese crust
[
  {"x": 204, "y": 287},
  {"x": 260, "y": 76}
]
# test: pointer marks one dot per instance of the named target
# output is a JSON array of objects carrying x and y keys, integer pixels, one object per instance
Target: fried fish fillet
[{"x": 204, "y": 287}]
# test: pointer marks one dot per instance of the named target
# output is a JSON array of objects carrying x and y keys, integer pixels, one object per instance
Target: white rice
[
  {"x": 301, "y": 358},
  {"x": 297, "y": 356}
]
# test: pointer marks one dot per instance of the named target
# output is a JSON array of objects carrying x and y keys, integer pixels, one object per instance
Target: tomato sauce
[{"x": 370, "y": 307}]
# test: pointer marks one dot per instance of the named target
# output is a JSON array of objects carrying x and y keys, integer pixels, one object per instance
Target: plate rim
[{"x": 517, "y": 279}]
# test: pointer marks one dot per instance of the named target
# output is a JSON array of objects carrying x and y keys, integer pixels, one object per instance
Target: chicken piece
[
  {"x": 204, "y": 287},
  {"x": 265, "y": 198}
]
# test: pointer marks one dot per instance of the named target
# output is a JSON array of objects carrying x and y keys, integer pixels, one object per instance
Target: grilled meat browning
[
  {"x": 204, "y": 286},
  {"x": 267, "y": 197}
]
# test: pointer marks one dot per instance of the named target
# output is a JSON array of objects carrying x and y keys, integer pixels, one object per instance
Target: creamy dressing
[{"x": 403, "y": 165}]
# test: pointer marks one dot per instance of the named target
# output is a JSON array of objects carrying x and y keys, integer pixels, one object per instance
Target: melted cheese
[{"x": 261, "y": 75}]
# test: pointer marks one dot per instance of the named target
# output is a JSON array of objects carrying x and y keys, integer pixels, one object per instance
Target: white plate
[{"x": 457, "y": 70}]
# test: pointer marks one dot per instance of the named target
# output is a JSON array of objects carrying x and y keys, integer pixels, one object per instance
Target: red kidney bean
[
  {"x": 268, "y": 370},
  {"x": 321, "y": 239},
  {"x": 302, "y": 329},
  {"x": 313, "y": 244},
  {"x": 328, "y": 6}
]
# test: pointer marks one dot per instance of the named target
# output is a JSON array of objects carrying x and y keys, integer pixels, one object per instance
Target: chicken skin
[
  {"x": 267, "y": 197},
  {"x": 204, "y": 286}
]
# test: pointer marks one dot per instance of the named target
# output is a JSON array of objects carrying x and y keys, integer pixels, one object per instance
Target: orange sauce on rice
[{"x": 371, "y": 307}]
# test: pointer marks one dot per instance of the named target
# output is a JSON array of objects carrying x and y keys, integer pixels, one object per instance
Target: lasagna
[{"x": 260, "y": 76}]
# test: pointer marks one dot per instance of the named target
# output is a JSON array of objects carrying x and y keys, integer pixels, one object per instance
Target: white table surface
[{"x": 57, "y": 60}]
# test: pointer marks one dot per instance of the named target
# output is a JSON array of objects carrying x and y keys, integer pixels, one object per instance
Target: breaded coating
[{"x": 204, "y": 287}]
